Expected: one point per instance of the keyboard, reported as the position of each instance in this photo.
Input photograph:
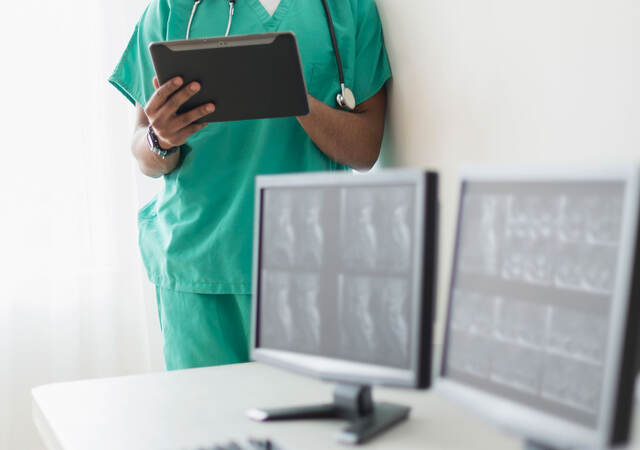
(252, 444)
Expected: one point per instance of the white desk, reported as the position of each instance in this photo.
(185, 410)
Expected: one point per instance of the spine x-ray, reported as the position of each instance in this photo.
(336, 277)
(535, 271)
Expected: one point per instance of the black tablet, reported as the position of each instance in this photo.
(254, 76)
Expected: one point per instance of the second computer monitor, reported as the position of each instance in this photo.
(543, 314)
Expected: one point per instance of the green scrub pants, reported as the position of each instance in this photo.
(201, 330)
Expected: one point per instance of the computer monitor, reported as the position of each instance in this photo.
(544, 302)
(343, 287)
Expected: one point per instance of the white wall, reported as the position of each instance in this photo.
(510, 82)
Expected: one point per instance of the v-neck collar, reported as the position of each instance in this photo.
(271, 23)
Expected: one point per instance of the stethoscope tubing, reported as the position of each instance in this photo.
(193, 14)
(196, 3)
(334, 42)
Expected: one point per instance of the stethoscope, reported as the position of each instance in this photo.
(345, 97)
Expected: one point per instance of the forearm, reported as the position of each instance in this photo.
(350, 138)
(150, 164)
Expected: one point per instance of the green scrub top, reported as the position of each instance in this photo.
(196, 234)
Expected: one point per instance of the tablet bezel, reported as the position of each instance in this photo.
(236, 41)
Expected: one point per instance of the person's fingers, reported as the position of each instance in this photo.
(173, 130)
(186, 119)
(161, 95)
(177, 138)
(156, 83)
(184, 134)
(171, 106)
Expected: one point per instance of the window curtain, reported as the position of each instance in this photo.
(72, 291)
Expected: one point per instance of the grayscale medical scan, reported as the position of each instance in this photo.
(532, 292)
(336, 272)
(542, 333)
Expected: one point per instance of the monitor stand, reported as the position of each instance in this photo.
(532, 445)
(353, 403)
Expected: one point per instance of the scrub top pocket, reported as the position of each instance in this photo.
(324, 83)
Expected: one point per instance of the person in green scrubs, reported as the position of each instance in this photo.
(195, 236)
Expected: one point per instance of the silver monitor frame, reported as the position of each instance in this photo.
(526, 421)
(337, 370)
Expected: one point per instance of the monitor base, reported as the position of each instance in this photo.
(532, 445)
(353, 403)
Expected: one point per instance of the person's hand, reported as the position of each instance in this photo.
(171, 128)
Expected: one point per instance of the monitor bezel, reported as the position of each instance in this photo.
(529, 422)
(423, 298)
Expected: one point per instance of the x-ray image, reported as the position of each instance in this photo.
(469, 354)
(536, 329)
(574, 213)
(569, 273)
(604, 220)
(592, 219)
(376, 228)
(278, 322)
(586, 267)
(311, 234)
(360, 234)
(514, 257)
(393, 315)
(539, 263)
(280, 232)
(587, 249)
(373, 316)
(529, 260)
(529, 239)
(517, 367)
(306, 312)
(473, 313)
(600, 268)
(578, 334)
(482, 225)
(293, 232)
(397, 252)
(336, 272)
(571, 382)
(355, 315)
(522, 323)
(532, 216)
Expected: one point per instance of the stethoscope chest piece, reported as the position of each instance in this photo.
(346, 99)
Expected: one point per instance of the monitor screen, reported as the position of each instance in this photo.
(339, 268)
(532, 291)
(336, 272)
